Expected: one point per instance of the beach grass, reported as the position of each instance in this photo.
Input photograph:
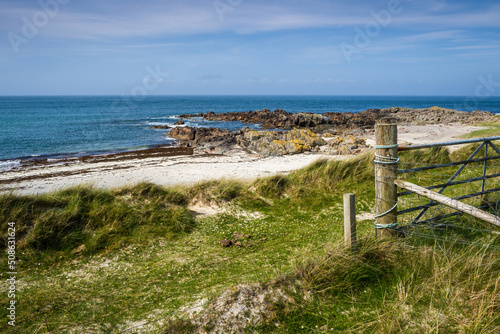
(492, 130)
(149, 265)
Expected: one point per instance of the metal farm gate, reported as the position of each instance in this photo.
(440, 188)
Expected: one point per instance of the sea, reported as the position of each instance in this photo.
(57, 127)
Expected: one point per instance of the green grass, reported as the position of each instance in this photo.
(150, 266)
(493, 129)
(56, 224)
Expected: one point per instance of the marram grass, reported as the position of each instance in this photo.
(99, 219)
(150, 266)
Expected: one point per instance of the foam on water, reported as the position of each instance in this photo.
(7, 165)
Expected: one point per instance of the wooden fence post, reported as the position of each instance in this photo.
(349, 220)
(386, 159)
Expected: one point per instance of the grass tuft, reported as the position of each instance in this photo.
(98, 219)
(216, 191)
(340, 270)
(273, 186)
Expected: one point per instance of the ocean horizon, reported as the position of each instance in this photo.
(52, 127)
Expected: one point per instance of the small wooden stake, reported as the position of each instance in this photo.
(386, 195)
(349, 220)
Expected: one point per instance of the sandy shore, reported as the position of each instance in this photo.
(426, 134)
(188, 169)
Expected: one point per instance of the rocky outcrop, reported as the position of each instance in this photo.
(201, 135)
(346, 122)
(211, 140)
(434, 115)
(302, 135)
(186, 133)
(160, 127)
(269, 143)
(278, 119)
(344, 145)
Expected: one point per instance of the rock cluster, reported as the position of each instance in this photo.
(266, 143)
(278, 119)
(269, 143)
(160, 127)
(344, 145)
(211, 140)
(304, 129)
(434, 115)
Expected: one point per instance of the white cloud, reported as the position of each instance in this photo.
(106, 21)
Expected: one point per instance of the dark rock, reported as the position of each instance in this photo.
(278, 119)
(186, 133)
(160, 127)
(226, 243)
(179, 123)
(209, 140)
(191, 115)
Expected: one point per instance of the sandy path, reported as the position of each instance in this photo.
(189, 169)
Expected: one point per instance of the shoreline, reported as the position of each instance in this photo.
(91, 156)
(158, 166)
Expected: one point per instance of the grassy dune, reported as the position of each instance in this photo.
(492, 130)
(149, 265)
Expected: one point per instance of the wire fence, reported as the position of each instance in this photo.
(473, 180)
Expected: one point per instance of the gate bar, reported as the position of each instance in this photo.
(465, 208)
(448, 143)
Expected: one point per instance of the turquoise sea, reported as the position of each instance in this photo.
(36, 127)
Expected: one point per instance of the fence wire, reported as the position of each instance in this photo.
(475, 183)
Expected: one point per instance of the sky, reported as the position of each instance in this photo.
(250, 47)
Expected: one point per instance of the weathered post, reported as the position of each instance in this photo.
(349, 220)
(386, 162)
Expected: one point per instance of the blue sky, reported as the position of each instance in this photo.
(167, 47)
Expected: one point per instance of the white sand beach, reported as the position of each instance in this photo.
(171, 171)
